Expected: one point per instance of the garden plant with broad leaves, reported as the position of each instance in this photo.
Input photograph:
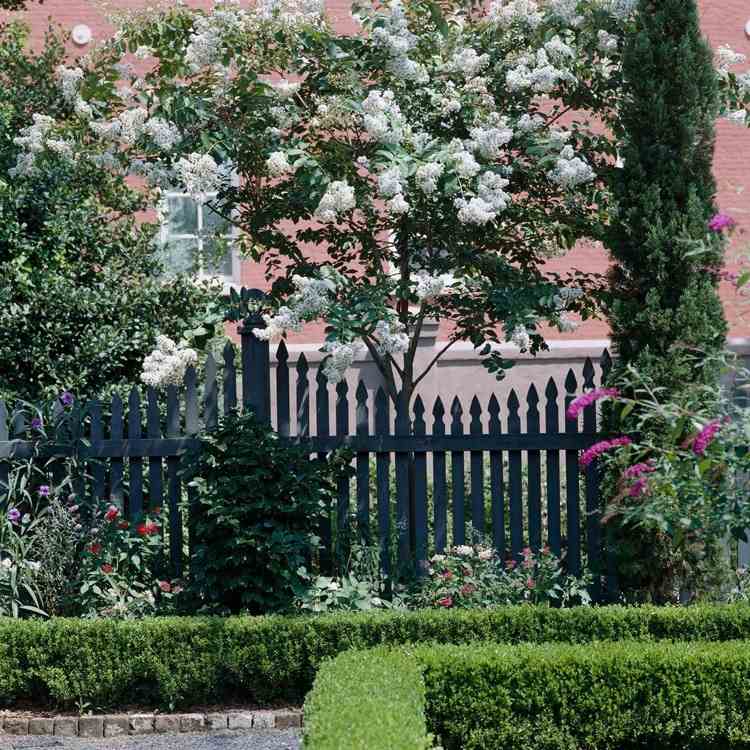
(440, 156)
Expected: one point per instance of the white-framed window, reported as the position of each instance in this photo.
(194, 239)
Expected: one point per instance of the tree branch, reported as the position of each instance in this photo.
(433, 361)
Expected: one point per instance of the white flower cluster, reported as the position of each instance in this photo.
(506, 12)
(727, 58)
(392, 337)
(310, 300)
(200, 174)
(126, 129)
(467, 62)
(390, 182)
(529, 123)
(166, 365)
(464, 163)
(165, 134)
(606, 42)
(33, 140)
(567, 10)
(430, 286)
(490, 200)
(565, 295)
(571, 170)
(291, 14)
(278, 164)
(520, 337)
(566, 324)
(338, 199)
(69, 80)
(340, 358)
(392, 34)
(206, 42)
(537, 73)
(143, 52)
(489, 140)
(382, 117)
(427, 176)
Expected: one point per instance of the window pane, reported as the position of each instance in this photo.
(183, 215)
(214, 224)
(180, 256)
(217, 257)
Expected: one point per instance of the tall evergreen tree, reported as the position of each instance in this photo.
(666, 316)
(666, 309)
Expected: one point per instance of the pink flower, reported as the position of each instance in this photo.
(510, 564)
(446, 601)
(112, 512)
(107, 568)
(530, 583)
(447, 575)
(95, 548)
(720, 222)
(165, 586)
(636, 470)
(638, 487)
(704, 438)
(467, 588)
(596, 450)
(579, 404)
(729, 276)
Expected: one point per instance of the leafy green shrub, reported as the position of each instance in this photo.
(259, 506)
(181, 661)
(609, 696)
(367, 700)
(470, 577)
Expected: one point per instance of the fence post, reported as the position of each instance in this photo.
(256, 362)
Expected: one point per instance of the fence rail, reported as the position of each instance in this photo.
(508, 472)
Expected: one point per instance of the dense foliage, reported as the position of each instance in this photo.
(82, 298)
(254, 524)
(368, 700)
(686, 696)
(186, 661)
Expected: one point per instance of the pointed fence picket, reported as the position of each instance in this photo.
(410, 494)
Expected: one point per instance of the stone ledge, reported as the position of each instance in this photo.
(145, 723)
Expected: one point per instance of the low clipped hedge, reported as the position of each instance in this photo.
(608, 696)
(364, 700)
(173, 662)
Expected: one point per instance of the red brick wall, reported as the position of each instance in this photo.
(724, 22)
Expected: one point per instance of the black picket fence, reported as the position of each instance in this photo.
(420, 484)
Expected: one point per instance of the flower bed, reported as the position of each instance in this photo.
(175, 662)
(554, 696)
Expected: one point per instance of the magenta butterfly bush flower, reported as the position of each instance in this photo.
(14, 515)
(705, 437)
(720, 222)
(596, 450)
(636, 470)
(579, 404)
(66, 398)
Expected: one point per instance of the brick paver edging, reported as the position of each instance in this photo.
(113, 725)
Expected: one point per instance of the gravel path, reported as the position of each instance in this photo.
(271, 739)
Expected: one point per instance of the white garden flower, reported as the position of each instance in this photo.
(489, 140)
(430, 286)
(340, 359)
(571, 170)
(200, 174)
(463, 550)
(132, 123)
(165, 134)
(392, 337)
(144, 52)
(69, 80)
(606, 42)
(567, 324)
(427, 176)
(278, 164)
(506, 12)
(467, 62)
(390, 182)
(167, 363)
(338, 198)
(285, 89)
(465, 164)
(398, 205)
(520, 337)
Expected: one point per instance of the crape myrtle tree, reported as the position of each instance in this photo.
(440, 156)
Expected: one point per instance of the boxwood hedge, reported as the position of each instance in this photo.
(171, 662)
(609, 696)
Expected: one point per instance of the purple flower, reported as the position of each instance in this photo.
(36, 423)
(720, 222)
(704, 438)
(579, 404)
(639, 487)
(43, 490)
(14, 515)
(598, 448)
(66, 398)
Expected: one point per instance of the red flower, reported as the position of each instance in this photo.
(112, 512)
(165, 586)
(123, 525)
(447, 575)
(446, 601)
(107, 568)
(468, 588)
(95, 548)
(148, 528)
